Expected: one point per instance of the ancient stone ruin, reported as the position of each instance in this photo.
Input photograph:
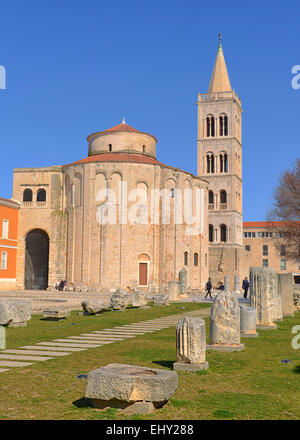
(119, 300)
(133, 389)
(161, 300)
(15, 312)
(286, 289)
(138, 299)
(183, 281)
(190, 345)
(56, 314)
(173, 291)
(2, 338)
(93, 306)
(264, 296)
(248, 321)
(225, 323)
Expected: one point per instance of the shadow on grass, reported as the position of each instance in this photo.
(167, 364)
(296, 369)
(83, 403)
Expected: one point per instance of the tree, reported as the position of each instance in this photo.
(285, 213)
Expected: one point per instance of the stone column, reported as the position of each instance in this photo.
(173, 291)
(248, 322)
(237, 285)
(226, 282)
(225, 323)
(190, 345)
(264, 296)
(286, 289)
(2, 338)
(183, 281)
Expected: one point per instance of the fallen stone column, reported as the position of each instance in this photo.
(15, 312)
(248, 322)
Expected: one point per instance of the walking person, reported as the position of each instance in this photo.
(245, 286)
(208, 288)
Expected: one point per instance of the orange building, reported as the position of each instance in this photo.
(8, 243)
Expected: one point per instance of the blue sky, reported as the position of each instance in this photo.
(76, 67)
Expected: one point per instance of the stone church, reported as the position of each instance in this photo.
(120, 218)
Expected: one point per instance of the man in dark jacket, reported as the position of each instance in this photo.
(208, 288)
(245, 286)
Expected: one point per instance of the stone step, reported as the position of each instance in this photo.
(105, 337)
(66, 345)
(23, 358)
(83, 343)
(14, 364)
(38, 352)
(36, 347)
(108, 334)
(95, 342)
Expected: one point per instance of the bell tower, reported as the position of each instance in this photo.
(220, 162)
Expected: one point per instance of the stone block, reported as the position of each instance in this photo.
(161, 300)
(123, 384)
(173, 291)
(93, 306)
(56, 313)
(248, 321)
(15, 312)
(2, 338)
(138, 299)
(119, 300)
(225, 320)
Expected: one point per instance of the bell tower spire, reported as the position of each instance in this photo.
(219, 81)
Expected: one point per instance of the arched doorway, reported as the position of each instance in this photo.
(36, 260)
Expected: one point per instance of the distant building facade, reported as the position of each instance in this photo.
(9, 211)
(259, 248)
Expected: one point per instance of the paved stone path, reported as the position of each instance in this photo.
(44, 351)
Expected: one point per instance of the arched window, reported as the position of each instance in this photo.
(41, 195)
(211, 233)
(172, 192)
(210, 160)
(144, 148)
(210, 197)
(210, 126)
(109, 147)
(223, 163)
(27, 195)
(186, 258)
(196, 259)
(223, 196)
(223, 233)
(223, 123)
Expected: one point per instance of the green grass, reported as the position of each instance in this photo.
(251, 384)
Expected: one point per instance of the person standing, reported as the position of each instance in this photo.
(208, 288)
(245, 287)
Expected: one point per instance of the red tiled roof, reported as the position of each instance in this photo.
(265, 224)
(119, 128)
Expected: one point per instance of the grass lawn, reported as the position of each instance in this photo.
(252, 384)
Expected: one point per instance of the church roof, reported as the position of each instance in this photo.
(126, 157)
(123, 127)
(219, 81)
